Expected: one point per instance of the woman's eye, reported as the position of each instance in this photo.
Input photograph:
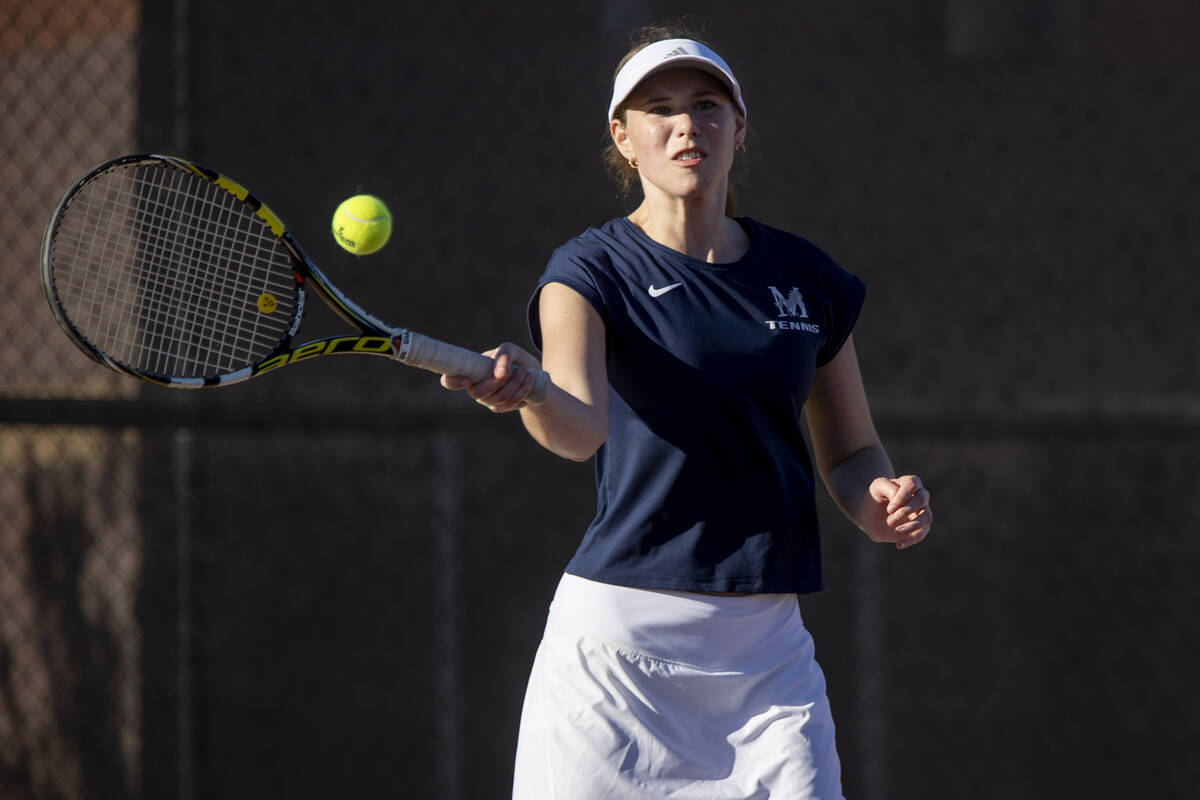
(705, 105)
(661, 110)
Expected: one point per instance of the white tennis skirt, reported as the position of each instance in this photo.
(640, 694)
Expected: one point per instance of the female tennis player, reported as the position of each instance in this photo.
(684, 345)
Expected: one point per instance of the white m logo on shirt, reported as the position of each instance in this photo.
(790, 306)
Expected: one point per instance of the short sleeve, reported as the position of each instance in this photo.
(571, 270)
(845, 294)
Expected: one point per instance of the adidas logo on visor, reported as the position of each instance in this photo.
(678, 51)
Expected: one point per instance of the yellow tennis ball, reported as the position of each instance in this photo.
(362, 224)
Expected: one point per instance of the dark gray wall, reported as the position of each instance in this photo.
(1017, 184)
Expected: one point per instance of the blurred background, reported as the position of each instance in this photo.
(330, 582)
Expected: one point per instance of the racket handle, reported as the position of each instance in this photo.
(419, 350)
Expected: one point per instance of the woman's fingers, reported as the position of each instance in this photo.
(909, 514)
(510, 383)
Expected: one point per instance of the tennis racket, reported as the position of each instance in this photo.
(165, 270)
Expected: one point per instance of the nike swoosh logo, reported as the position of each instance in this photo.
(660, 292)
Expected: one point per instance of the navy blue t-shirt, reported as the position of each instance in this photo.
(705, 482)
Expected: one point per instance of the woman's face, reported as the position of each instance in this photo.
(680, 127)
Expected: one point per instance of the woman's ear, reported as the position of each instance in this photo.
(620, 138)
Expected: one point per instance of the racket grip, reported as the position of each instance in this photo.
(419, 350)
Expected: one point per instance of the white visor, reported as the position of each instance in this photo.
(670, 54)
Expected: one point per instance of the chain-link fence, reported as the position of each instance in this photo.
(330, 582)
(71, 637)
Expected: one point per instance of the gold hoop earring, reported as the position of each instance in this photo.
(740, 147)
(633, 163)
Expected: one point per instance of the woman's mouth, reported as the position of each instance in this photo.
(689, 156)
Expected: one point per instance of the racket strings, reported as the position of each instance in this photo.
(203, 296)
(218, 322)
(168, 273)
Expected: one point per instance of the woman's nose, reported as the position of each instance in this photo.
(686, 126)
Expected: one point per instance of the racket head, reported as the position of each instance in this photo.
(165, 270)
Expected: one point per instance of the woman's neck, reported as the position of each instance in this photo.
(697, 228)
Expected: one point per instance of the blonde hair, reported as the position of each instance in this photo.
(619, 169)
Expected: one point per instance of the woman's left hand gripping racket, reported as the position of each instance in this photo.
(167, 271)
